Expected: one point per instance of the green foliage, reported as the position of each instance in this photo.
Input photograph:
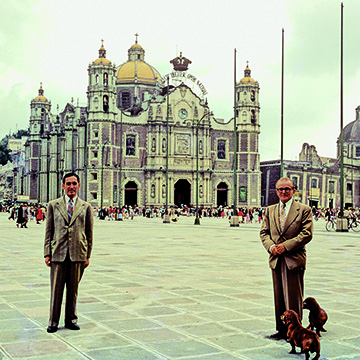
(4, 152)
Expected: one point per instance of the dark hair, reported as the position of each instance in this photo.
(69, 175)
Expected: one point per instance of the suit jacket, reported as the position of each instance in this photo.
(62, 235)
(297, 233)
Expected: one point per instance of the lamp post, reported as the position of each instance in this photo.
(107, 142)
(48, 177)
(60, 176)
(197, 123)
(166, 215)
(38, 174)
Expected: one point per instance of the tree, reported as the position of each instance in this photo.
(4, 154)
(4, 151)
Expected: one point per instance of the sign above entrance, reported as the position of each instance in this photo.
(180, 75)
(177, 78)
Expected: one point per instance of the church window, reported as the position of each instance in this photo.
(295, 180)
(97, 79)
(252, 95)
(314, 183)
(349, 188)
(106, 103)
(331, 186)
(125, 100)
(221, 149)
(242, 193)
(94, 176)
(130, 145)
(95, 153)
(96, 134)
(43, 113)
(94, 195)
(253, 118)
(357, 151)
(105, 81)
(244, 115)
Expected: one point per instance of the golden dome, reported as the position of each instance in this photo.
(41, 96)
(102, 61)
(144, 73)
(136, 46)
(247, 79)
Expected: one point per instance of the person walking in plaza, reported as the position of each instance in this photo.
(20, 216)
(287, 227)
(67, 249)
(39, 214)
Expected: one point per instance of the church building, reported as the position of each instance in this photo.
(145, 139)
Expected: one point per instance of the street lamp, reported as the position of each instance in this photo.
(48, 177)
(107, 142)
(197, 123)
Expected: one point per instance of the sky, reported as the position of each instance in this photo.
(53, 42)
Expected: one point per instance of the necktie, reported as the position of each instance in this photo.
(70, 209)
(282, 217)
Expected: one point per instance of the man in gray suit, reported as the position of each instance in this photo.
(67, 249)
(286, 229)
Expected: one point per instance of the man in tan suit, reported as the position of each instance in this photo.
(286, 229)
(67, 250)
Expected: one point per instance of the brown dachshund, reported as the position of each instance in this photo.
(297, 335)
(317, 315)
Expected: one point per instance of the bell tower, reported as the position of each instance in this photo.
(248, 128)
(101, 88)
(101, 126)
(40, 108)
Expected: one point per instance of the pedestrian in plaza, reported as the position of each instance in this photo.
(39, 214)
(287, 227)
(25, 216)
(67, 250)
(20, 216)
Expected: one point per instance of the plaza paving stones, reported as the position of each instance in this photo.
(173, 291)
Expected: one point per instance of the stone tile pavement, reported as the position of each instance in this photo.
(173, 291)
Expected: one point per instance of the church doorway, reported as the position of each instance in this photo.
(222, 194)
(182, 193)
(131, 193)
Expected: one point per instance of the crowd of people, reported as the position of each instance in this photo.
(22, 213)
(128, 212)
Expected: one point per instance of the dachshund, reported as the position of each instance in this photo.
(297, 335)
(317, 315)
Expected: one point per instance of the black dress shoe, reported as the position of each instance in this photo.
(52, 329)
(278, 336)
(72, 326)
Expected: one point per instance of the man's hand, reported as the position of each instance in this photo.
(48, 261)
(280, 248)
(87, 262)
(277, 249)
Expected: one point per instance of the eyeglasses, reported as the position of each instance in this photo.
(287, 189)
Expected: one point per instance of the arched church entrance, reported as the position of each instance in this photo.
(131, 193)
(222, 194)
(182, 193)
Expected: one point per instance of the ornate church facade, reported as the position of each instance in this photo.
(145, 139)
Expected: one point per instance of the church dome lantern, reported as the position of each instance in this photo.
(41, 97)
(247, 79)
(102, 60)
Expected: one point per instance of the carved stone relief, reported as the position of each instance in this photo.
(182, 144)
